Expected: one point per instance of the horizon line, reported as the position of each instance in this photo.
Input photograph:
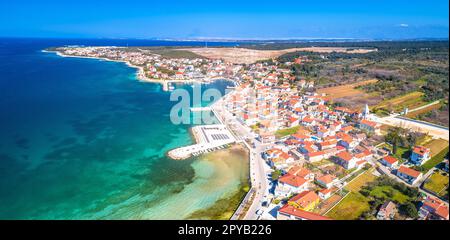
(243, 39)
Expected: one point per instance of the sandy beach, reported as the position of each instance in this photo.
(232, 168)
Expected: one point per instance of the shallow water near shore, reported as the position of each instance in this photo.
(83, 139)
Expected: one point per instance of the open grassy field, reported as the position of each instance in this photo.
(402, 153)
(351, 207)
(322, 162)
(346, 90)
(354, 203)
(436, 145)
(356, 184)
(398, 104)
(388, 192)
(437, 183)
(435, 160)
(287, 131)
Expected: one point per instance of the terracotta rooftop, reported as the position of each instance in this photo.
(291, 210)
(390, 159)
(408, 171)
(368, 123)
(304, 199)
(421, 150)
(292, 180)
(346, 156)
(326, 178)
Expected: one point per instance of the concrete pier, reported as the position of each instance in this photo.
(199, 109)
(208, 137)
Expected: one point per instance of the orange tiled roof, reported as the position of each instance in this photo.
(299, 171)
(315, 154)
(299, 136)
(408, 171)
(327, 178)
(291, 210)
(307, 119)
(292, 180)
(328, 143)
(347, 128)
(304, 199)
(344, 137)
(390, 159)
(368, 123)
(438, 206)
(346, 156)
(421, 150)
(326, 190)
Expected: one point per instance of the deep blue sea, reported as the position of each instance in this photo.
(84, 139)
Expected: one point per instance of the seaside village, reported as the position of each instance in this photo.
(321, 148)
(155, 67)
(313, 147)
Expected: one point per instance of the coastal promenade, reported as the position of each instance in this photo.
(258, 174)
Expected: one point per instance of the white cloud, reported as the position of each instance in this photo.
(404, 25)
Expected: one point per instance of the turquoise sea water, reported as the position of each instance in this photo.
(83, 139)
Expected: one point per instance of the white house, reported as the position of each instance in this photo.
(288, 184)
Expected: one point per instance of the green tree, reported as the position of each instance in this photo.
(411, 139)
(276, 174)
(395, 137)
(409, 209)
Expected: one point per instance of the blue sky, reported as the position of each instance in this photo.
(225, 19)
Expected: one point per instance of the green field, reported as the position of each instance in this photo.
(436, 145)
(437, 183)
(287, 131)
(351, 207)
(435, 160)
(388, 192)
(361, 180)
(354, 204)
(321, 162)
(402, 153)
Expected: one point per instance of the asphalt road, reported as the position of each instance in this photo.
(258, 174)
